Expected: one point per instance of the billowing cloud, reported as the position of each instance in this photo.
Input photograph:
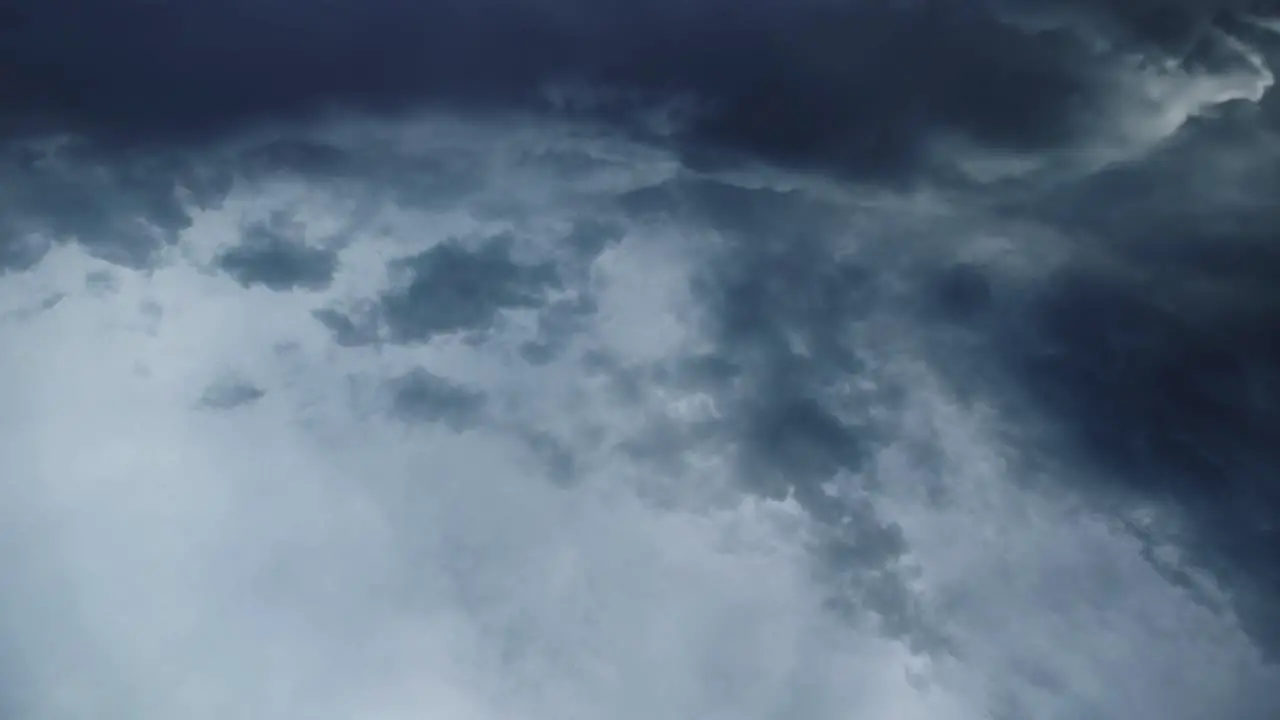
(560, 360)
(271, 255)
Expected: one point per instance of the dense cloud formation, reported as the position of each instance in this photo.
(860, 86)
(640, 358)
(271, 257)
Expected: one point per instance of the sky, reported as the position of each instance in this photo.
(569, 359)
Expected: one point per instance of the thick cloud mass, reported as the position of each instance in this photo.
(534, 359)
(270, 255)
(862, 86)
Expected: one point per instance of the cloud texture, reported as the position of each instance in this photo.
(652, 359)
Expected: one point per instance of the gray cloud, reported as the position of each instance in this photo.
(228, 393)
(121, 208)
(815, 82)
(101, 281)
(275, 255)
(866, 507)
(450, 289)
(421, 396)
(1044, 309)
(348, 332)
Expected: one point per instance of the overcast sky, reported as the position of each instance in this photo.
(679, 359)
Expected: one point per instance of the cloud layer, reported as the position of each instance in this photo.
(865, 87)
(558, 360)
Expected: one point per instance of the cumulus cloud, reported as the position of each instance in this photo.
(271, 255)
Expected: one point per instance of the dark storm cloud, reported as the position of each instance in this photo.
(452, 288)
(20, 252)
(1152, 353)
(1151, 357)
(123, 209)
(859, 85)
(275, 255)
(782, 304)
(786, 299)
(124, 205)
(439, 178)
(788, 307)
(1157, 354)
(307, 158)
(448, 289)
(1171, 407)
